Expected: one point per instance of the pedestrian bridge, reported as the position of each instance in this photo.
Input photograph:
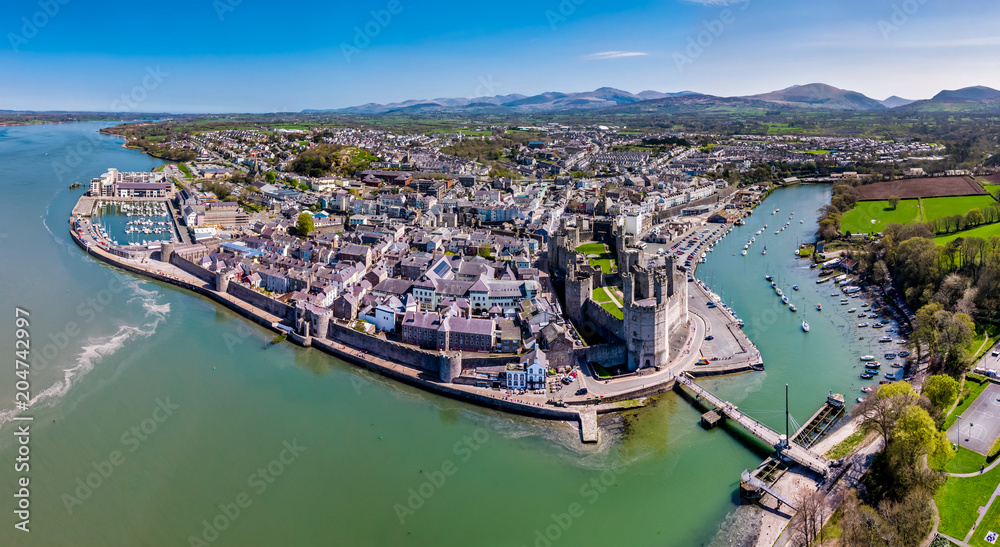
(793, 451)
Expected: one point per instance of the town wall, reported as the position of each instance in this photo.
(261, 301)
(192, 268)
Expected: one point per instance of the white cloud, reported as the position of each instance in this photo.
(613, 55)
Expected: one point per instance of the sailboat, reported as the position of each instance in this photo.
(805, 326)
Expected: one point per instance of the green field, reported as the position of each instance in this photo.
(990, 523)
(946, 207)
(859, 219)
(983, 231)
(959, 500)
(965, 461)
(603, 258)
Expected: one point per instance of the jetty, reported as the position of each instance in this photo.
(788, 450)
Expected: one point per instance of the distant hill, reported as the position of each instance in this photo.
(815, 96)
(895, 101)
(977, 93)
(693, 102)
(820, 96)
(550, 101)
(968, 99)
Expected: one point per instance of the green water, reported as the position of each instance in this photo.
(367, 441)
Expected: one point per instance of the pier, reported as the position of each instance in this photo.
(791, 451)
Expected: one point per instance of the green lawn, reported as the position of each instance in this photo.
(859, 219)
(847, 445)
(613, 309)
(959, 500)
(603, 258)
(592, 248)
(601, 295)
(965, 461)
(982, 231)
(946, 207)
(990, 523)
(971, 392)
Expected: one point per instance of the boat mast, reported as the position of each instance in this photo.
(788, 438)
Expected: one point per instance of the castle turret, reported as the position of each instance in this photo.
(222, 281)
(166, 251)
(450, 367)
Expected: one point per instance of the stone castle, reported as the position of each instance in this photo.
(655, 300)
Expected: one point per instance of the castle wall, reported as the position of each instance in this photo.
(607, 324)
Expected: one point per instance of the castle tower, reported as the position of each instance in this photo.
(222, 281)
(579, 289)
(646, 326)
(628, 289)
(166, 251)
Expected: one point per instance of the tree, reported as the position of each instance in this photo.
(915, 435)
(808, 518)
(270, 177)
(942, 390)
(486, 250)
(880, 412)
(305, 224)
(894, 201)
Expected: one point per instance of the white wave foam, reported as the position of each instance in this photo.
(92, 353)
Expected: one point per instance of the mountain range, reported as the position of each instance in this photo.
(816, 96)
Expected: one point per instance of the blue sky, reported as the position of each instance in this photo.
(265, 56)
